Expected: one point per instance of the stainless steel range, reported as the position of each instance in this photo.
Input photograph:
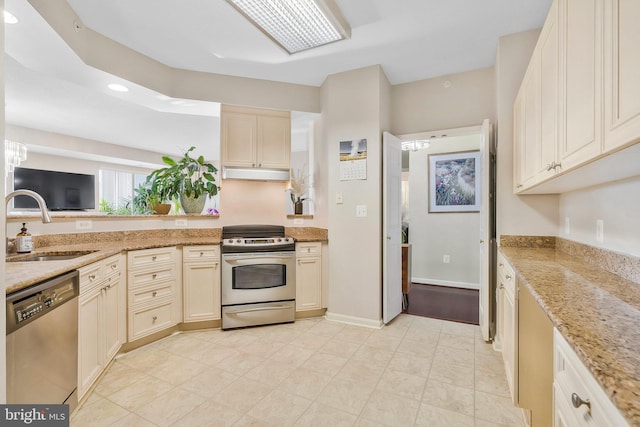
(258, 276)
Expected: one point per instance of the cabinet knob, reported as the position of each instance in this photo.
(201, 253)
(501, 265)
(154, 318)
(92, 277)
(519, 186)
(557, 165)
(154, 275)
(153, 258)
(508, 277)
(154, 293)
(578, 402)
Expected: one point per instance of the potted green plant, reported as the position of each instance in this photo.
(189, 180)
(150, 200)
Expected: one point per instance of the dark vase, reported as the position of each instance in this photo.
(297, 207)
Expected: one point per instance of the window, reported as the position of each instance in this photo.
(116, 187)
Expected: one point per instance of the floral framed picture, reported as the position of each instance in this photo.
(454, 182)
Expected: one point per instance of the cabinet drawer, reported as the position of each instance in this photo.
(150, 257)
(308, 249)
(148, 319)
(197, 253)
(506, 275)
(144, 278)
(572, 377)
(112, 264)
(154, 292)
(90, 276)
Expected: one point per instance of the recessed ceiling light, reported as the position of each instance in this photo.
(296, 25)
(118, 87)
(9, 18)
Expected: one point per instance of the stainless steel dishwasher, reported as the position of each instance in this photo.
(42, 343)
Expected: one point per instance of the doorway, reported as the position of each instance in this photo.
(447, 261)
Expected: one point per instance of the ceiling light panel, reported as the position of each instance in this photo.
(295, 25)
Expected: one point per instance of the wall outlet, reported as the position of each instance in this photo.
(446, 259)
(599, 230)
(84, 225)
(361, 210)
(339, 199)
(298, 221)
(567, 226)
(181, 222)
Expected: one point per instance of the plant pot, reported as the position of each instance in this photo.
(192, 205)
(162, 208)
(297, 208)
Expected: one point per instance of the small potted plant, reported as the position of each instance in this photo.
(150, 200)
(299, 186)
(189, 180)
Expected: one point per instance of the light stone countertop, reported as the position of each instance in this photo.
(20, 275)
(596, 311)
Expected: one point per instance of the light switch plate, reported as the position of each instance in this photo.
(599, 230)
(339, 199)
(181, 222)
(361, 210)
(298, 221)
(84, 225)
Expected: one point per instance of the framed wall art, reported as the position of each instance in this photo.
(454, 182)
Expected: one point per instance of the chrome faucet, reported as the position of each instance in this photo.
(41, 203)
(38, 198)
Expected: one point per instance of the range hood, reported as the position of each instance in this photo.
(255, 174)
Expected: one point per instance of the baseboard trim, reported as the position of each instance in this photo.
(352, 320)
(446, 283)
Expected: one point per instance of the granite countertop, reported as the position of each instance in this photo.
(20, 275)
(596, 311)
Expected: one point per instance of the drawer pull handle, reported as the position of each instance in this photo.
(154, 275)
(508, 277)
(501, 265)
(153, 258)
(155, 318)
(114, 266)
(92, 277)
(154, 293)
(578, 402)
(201, 253)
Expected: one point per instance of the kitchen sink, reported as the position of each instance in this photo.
(54, 256)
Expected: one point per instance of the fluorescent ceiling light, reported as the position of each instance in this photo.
(118, 87)
(296, 25)
(9, 18)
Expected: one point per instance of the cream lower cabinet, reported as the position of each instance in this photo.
(101, 318)
(201, 283)
(308, 276)
(573, 384)
(154, 291)
(508, 323)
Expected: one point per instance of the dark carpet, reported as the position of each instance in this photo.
(441, 302)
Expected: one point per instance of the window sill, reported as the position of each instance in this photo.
(304, 216)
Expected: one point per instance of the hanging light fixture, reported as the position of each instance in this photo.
(296, 25)
(14, 154)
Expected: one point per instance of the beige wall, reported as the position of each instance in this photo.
(352, 110)
(616, 204)
(523, 215)
(447, 102)
(3, 317)
(434, 234)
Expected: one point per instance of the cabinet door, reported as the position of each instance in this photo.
(308, 283)
(531, 128)
(622, 68)
(274, 142)
(509, 340)
(90, 339)
(549, 98)
(238, 138)
(582, 79)
(201, 291)
(518, 143)
(114, 315)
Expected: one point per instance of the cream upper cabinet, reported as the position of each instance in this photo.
(255, 138)
(581, 71)
(536, 111)
(621, 73)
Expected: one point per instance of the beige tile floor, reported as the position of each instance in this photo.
(414, 372)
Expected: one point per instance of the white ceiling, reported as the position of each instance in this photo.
(49, 88)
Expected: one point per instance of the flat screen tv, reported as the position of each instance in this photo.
(61, 191)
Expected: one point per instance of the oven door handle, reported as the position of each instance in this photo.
(256, 259)
(250, 310)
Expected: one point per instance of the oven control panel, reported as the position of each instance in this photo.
(271, 241)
